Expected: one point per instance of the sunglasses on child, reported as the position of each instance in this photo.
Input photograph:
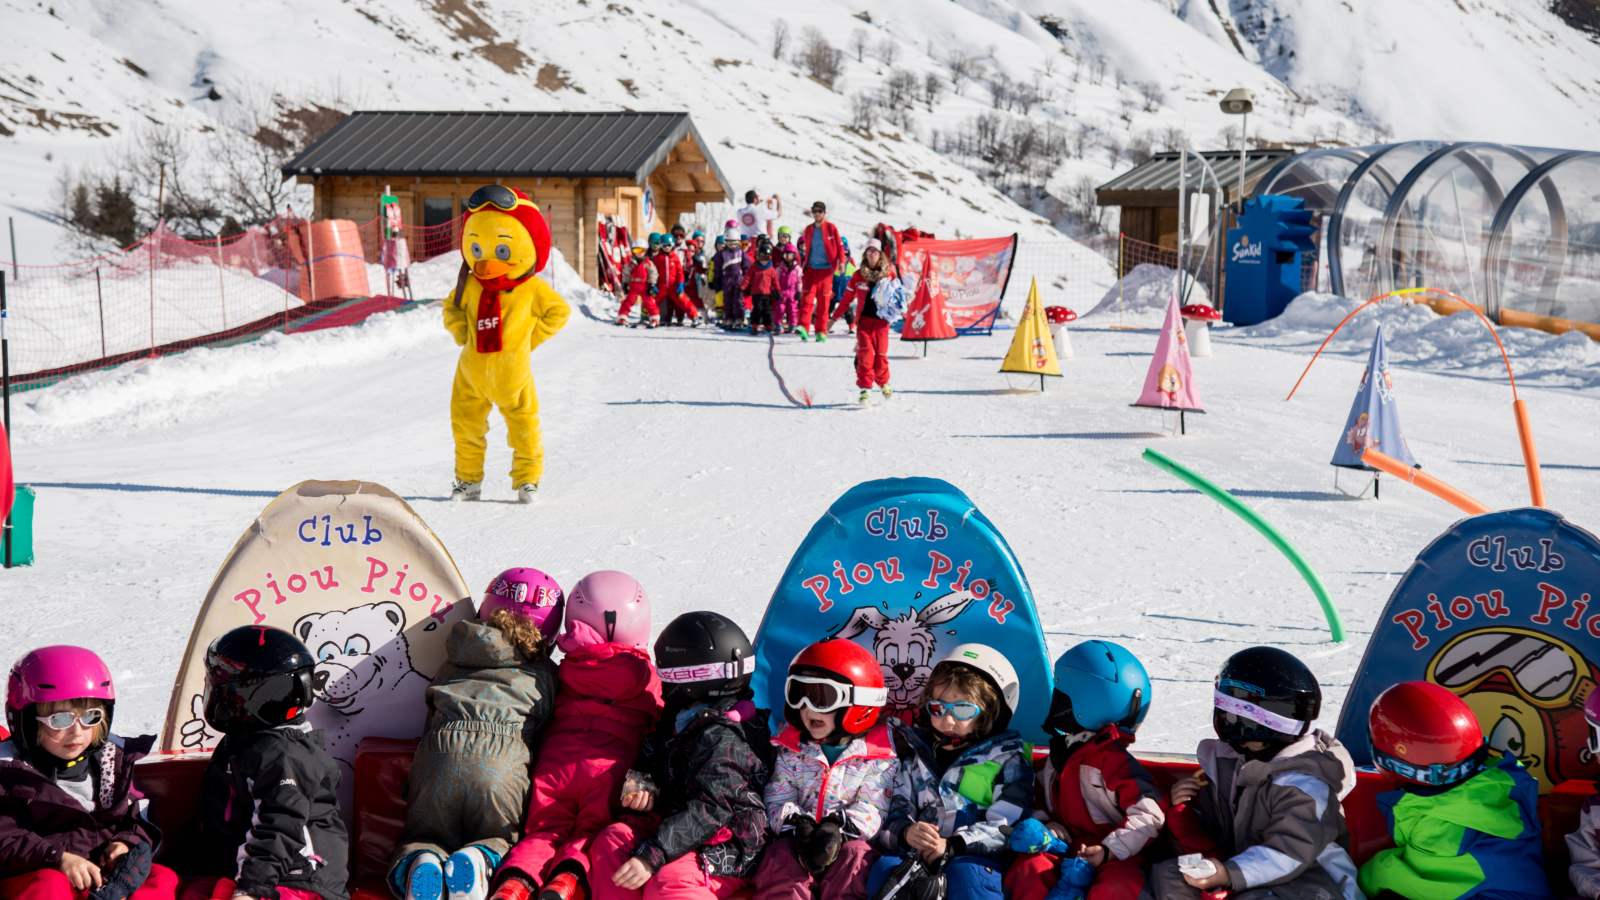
(60, 721)
(825, 695)
(961, 712)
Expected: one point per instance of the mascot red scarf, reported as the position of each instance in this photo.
(486, 327)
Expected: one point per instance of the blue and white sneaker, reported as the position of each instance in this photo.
(425, 879)
(467, 872)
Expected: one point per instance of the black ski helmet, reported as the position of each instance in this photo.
(1264, 683)
(703, 656)
(257, 677)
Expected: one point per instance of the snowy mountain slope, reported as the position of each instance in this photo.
(673, 455)
(1112, 78)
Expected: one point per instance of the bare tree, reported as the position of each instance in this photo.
(1125, 106)
(859, 41)
(1025, 95)
(1000, 91)
(1139, 148)
(1153, 96)
(1081, 139)
(960, 66)
(820, 59)
(901, 89)
(1173, 139)
(863, 111)
(888, 50)
(1113, 148)
(883, 185)
(780, 37)
(931, 87)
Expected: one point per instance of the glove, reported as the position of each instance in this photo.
(678, 286)
(126, 875)
(821, 847)
(802, 826)
(1076, 877)
(654, 289)
(1031, 836)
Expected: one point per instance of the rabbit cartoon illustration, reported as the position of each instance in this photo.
(905, 645)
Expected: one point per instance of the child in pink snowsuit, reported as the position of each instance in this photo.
(786, 311)
(610, 698)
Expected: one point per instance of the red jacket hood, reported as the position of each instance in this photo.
(609, 671)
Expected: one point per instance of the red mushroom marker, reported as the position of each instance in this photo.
(1059, 316)
(1197, 327)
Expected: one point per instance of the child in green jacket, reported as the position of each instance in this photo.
(1463, 828)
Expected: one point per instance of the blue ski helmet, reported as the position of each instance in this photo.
(655, 238)
(1098, 683)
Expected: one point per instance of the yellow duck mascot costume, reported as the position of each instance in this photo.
(499, 313)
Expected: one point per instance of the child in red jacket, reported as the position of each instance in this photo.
(761, 286)
(1096, 796)
(669, 277)
(610, 699)
(642, 279)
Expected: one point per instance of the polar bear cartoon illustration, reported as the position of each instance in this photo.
(364, 681)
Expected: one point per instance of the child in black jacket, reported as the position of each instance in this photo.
(269, 808)
(702, 771)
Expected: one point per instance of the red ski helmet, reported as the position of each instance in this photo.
(1422, 734)
(835, 674)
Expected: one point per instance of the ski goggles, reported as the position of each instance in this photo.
(961, 712)
(1594, 736)
(495, 195)
(826, 695)
(709, 671)
(1438, 774)
(1247, 710)
(1544, 671)
(60, 721)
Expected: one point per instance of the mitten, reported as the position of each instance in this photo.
(126, 875)
(821, 848)
(654, 289)
(1031, 836)
(802, 826)
(1076, 877)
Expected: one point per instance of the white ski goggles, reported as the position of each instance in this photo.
(826, 695)
(1244, 708)
(61, 721)
(708, 672)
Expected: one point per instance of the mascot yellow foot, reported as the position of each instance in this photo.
(500, 311)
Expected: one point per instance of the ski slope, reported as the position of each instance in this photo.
(673, 455)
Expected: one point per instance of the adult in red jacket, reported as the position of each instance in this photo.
(821, 254)
(1111, 808)
(610, 699)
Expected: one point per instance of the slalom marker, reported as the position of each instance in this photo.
(1233, 505)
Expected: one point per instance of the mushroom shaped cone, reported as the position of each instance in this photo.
(1058, 317)
(1197, 319)
(500, 312)
(1423, 734)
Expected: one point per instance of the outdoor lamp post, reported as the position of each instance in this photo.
(1240, 102)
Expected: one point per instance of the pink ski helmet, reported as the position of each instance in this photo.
(529, 593)
(615, 606)
(48, 674)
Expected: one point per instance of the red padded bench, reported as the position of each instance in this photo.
(382, 764)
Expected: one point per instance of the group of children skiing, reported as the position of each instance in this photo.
(763, 286)
(626, 771)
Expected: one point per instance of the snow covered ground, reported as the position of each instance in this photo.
(673, 455)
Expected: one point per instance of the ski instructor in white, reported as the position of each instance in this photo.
(498, 313)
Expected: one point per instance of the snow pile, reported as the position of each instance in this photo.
(1420, 338)
(1141, 296)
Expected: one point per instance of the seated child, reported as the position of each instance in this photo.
(487, 705)
(701, 771)
(964, 775)
(1092, 793)
(609, 699)
(1266, 810)
(70, 818)
(1462, 828)
(269, 800)
(830, 789)
(1584, 873)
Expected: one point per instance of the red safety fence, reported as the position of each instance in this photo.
(166, 294)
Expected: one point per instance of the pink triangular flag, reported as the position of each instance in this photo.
(1170, 382)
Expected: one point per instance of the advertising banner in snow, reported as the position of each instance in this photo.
(908, 568)
(353, 572)
(927, 318)
(972, 275)
(1374, 419)
(1499, 609)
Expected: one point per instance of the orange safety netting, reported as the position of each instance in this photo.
(165, 294)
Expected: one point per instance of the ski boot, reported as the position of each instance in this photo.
(698, 321)
(887, 392)
(465, 490)
(528, 492)
(466, 874)
(564, 886)
(621, 320)
(513, 888)
(864, 395)
(804, 334)
(425, 878)
(655, 322)
(822, 336)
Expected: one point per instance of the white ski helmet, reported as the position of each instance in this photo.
(994, 666)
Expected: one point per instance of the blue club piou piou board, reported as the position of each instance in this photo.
(907, 568)
(1501, 610)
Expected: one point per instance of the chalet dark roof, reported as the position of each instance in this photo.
(1160, 172)
(500, 145)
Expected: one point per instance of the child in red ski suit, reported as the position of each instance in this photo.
(669, 280)
(786, 311)
(761, 286)
(610, 698)
(641, 277)
(872, 330)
